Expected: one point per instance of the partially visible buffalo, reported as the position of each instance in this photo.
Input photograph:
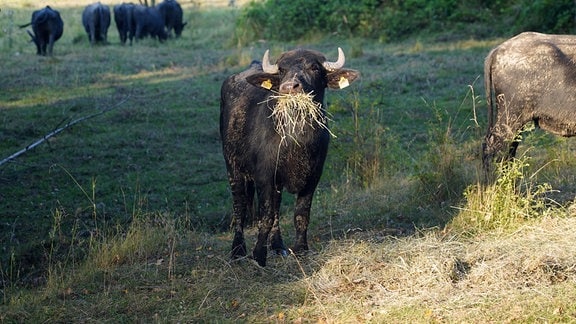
(124, 18)
(149, 22)
(172, 14)
(96, 21)
(532, 77)
(265, 153)
(48, 27)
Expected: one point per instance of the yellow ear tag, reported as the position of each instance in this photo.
(343, 83)
(266, 84)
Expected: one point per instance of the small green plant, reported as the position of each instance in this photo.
(507, 203)
(9, 275)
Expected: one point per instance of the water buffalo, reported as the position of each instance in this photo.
(274, 135)
(172, 14)
(149, 22)
(124, 19)
(47, 27)
(531, 77)
(96, 21)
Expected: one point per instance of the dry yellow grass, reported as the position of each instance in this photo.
(494, 277)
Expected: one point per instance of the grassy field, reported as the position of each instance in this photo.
(124, 216)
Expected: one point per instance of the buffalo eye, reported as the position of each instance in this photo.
(314, 68)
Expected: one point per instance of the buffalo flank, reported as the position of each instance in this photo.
(149, 22)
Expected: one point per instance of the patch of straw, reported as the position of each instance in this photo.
(294, 112)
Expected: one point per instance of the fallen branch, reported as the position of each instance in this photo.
(59, 130)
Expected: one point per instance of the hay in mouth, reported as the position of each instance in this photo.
(293, 112)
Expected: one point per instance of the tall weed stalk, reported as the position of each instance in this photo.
(444, 172)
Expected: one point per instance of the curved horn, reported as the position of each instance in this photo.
(332, 66)
(266, 66)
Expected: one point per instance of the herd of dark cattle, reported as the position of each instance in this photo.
(133, 21)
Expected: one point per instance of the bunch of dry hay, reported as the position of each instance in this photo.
(292, 113)
(459, 280)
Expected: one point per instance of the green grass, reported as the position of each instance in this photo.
(124, 216)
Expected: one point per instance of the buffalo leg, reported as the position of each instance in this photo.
(512, 150)
(493, 143)
(276, 242)
(93, 34)
(268, 212)
(42, 46)
(138, 33)
(122, 37)
(502, 136)
(242, 194)
(301, 221)
(51, 41)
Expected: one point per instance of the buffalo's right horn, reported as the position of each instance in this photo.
(333, 66)
(266, 66)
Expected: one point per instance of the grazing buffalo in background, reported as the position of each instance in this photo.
(265, 153)
(149, 22)
(532, 77)
(124, 19)
(172, 14)
(96, 21)
(47, 27)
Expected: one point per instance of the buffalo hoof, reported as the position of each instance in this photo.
(260, 257)
(300, 248)
(279, 248)
(238, 248)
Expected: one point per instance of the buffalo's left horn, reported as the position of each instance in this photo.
(266, 66)
(332, 66)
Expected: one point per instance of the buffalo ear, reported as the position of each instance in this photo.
(264, 80)
(342, 78)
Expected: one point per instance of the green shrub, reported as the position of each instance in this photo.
(276, 19)
(506, 204)
(548, 16)
(282, 20)
(396, 19)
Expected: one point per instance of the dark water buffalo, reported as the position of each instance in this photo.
(149, 22)
(172, 14)
(96, 21)
(532, 78)
(47, 27)
(124, 19)
(265, 155)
